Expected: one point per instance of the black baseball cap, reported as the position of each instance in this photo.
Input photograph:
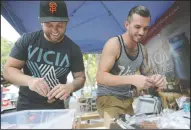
(53, 11)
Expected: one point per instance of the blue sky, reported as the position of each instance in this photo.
(7, 31)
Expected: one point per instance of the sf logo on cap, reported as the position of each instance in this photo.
(52, 7)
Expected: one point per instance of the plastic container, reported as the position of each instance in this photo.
(38, 119)
(148, 104)
(186, 107)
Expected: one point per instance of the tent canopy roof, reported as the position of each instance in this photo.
(91, 23)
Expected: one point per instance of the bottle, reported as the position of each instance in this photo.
(186, 107)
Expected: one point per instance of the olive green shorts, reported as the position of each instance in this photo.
(114, 106)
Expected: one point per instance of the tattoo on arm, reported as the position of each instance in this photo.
(79, 80)
(144, 69)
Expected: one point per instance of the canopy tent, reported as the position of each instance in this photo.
(91, 23)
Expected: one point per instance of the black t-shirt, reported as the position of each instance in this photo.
(53, 61)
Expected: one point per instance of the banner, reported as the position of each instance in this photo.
(178, 9)
(169, 49)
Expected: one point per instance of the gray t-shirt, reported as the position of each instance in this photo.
(53, 61)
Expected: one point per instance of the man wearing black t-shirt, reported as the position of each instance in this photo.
(46, 57)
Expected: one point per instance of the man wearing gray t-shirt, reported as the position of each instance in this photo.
(121, 60)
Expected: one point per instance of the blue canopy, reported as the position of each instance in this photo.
(91, 23)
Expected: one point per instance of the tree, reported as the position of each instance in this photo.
(91, 65)
(5, 50)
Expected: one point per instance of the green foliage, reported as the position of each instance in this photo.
(86, 94)
(90, 68)
(5, 50)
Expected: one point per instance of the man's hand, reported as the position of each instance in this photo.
(61, 91)
(143, 82)
(159, 81)
(51, 100)
(39, 85)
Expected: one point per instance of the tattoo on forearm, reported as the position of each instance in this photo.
(78, 83)
(145, 70)
(79, 80)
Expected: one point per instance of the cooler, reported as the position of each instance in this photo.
(38, 119)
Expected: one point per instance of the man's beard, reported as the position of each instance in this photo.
(136, 38)
(53, 38)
